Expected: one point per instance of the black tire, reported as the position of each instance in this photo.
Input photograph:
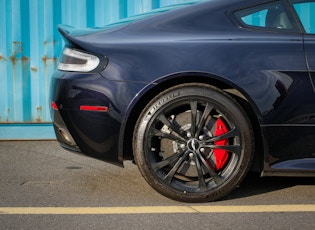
(179, 159)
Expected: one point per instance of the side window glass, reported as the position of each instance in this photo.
(306, 12)
(269, 16)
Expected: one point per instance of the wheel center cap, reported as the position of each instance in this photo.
(193, 144)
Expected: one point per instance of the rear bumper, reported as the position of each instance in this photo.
(93, 133)
(63, 134)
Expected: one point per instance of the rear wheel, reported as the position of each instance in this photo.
(193, 143)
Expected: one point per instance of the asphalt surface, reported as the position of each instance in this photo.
(43, 186)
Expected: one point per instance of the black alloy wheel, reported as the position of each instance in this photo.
(193, 143)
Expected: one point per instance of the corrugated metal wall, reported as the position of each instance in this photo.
(30, 46)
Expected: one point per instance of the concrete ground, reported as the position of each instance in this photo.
(40, 174)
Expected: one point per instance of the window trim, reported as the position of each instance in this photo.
(296, 27)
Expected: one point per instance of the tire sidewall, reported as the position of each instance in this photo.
(220, 100)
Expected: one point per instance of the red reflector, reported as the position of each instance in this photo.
(94, 108)
(54, 106)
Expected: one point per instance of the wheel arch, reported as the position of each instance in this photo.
(133, 112)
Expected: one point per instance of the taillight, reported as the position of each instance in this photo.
(77, 61)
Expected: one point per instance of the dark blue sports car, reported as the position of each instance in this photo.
(196, 96)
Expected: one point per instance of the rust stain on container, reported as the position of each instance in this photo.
(13, 59)
(49, 42)
(34, 69)
(45, 59)
(17, 46)
(2, 58)
(39, 110)
(17, 43)
(25, 58)
(17, 50)
(7, 119)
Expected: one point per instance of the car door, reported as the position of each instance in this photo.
(292, 146)
(289, 126)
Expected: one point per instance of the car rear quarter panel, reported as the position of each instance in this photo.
(270, 72)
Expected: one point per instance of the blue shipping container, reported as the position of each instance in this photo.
(30, 46)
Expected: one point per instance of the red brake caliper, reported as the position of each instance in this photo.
(221, 155)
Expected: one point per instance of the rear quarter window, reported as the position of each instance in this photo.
(272, 16)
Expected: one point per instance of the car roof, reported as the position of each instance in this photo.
(192, 20)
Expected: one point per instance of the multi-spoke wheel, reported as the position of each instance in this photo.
(193, 143)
